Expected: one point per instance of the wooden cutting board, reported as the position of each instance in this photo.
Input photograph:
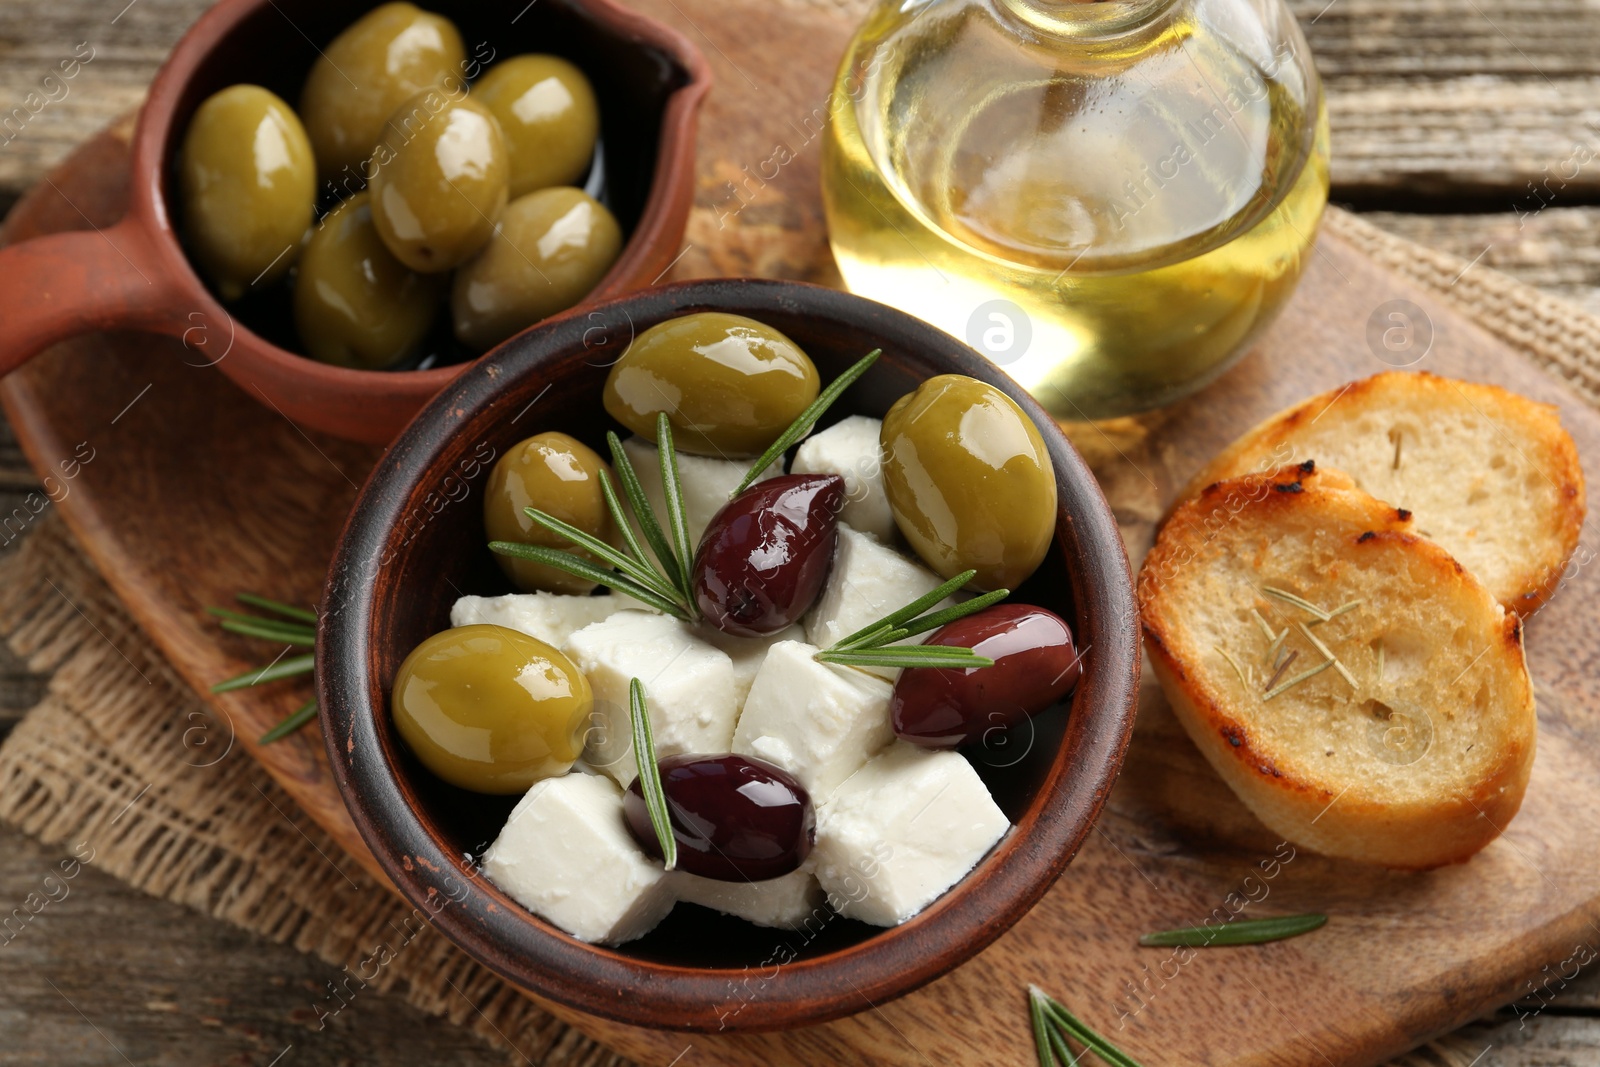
(194, 491)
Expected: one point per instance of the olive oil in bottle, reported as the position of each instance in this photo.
(1108, 199)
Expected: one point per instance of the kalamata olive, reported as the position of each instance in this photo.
(736, 819)
(392, 52)
(765, 556)
(560, 476)
(729, 384)
(248, 185)
(491, 709)
(441, 181)
(969, 481)
(1035, 665)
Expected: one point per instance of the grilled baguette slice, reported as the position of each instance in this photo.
(1490, 475)
(1420, 757)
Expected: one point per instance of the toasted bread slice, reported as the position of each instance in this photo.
(1490, 475)
(1414, 750)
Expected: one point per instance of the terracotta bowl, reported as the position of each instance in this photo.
(415, 542)
(134, 275)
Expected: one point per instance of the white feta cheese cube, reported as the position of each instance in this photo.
(785, 902)
(903, 829)
(549, 617)
(818, 722)
(688, 686)
(849, 448)
(747, 653)
(867, 582)
(707, 484)
(566, 855)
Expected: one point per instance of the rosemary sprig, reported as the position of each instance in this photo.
(1299, 602)
(305, 714)
(808, 418)
(662, 583)
(1244, 932)
(1053, 1023)
(296, 626)
(1328, 652)
(867, 647)
(1311, 672)
(644, 754)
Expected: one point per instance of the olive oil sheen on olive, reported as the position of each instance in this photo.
(1110, 200)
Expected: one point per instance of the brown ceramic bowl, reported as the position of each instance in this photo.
(415, 541)
(135, 275)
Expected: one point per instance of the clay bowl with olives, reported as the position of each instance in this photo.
(252, 132)
(554, 885)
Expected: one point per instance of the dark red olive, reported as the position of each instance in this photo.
(766, 554)
(1035, 665)
(736, 819)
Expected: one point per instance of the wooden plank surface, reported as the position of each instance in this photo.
(1396, 75)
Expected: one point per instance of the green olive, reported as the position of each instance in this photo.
(248, 185)
(491, 709)
(548, 114)
(389, 54)
(355, 305)
(555, 474)
(969, 481)
(729, 385)
(441, 181)
(551, 248)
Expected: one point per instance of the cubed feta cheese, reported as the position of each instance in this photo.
(901, 831)
(747, 654)
(549, 617)
(867, 582)
(707, 484)
(688, 685)
(849, 448)
(566, 855)
(816, 721)
(785, 902)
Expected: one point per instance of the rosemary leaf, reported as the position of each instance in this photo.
(1278, 673)
(1277, 644)
(276, 625)
(1265, 628)
(284, 668)
(1297, 679)
(905, 656)
(644, 512)
(1244, 932)
(1041, 1031)
(808, 418)
(1326, 651)
(270, 633)
(936, 619)
(644, 754)
(305, 714)
(1299, 602)
(645, 576)
(1058, 1045)
(672, 489)
(619, 518)
(907, 613)
(1234, 664)
(277, 607)
(582, 568)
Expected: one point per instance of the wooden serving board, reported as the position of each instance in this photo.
(194, 491)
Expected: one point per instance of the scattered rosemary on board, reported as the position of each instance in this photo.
(286, 624)
(1243, 932)
(644, 754)
(867, 646)
(1053, 1024)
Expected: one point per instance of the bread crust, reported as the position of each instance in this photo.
(1350, 812)
(1531, 430)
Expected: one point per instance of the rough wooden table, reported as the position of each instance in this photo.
(1474, 129)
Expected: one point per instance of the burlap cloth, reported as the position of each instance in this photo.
(103, 757)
